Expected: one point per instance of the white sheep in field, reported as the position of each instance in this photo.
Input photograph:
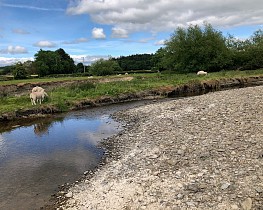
(37, 97)
(38, 89)
(201, 73)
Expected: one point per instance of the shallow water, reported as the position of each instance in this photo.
(37, 157)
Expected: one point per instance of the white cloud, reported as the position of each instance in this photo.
(98, 33)
(20, 31)
(76, 41)
(31, 7)
(88, 59)
(146, 40)
(160, 42)
(13, 50)
(4, 61)
(160, 15)
(119, 33)
(45, 44)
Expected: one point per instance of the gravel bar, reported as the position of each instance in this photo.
(203, 152)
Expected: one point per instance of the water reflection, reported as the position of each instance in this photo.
(35, 158)
(41, 128)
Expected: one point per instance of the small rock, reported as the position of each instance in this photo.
(180, 152)
(211, 106)
(190, 204)
(260, 155)
(172, 162)
(259, 190)
(247, 204)
(69, 195)
(180, 196)
(225, 186)
(193, 188)
(61, 192)
(221, 150)
(234, 207)
(154, 156)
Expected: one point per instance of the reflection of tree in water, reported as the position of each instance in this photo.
(41, 128)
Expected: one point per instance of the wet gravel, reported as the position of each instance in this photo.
(201, 152)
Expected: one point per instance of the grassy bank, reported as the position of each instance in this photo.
(64, 97)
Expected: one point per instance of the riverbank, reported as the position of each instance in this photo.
(193, 87)
(201, 152)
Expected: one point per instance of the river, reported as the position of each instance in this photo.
(38, 156)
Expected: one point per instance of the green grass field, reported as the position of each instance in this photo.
(63, 97)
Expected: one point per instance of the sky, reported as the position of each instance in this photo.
(92, 29)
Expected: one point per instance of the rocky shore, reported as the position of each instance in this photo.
(203, 152)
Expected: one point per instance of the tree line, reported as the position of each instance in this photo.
(187, 50)
(205, 48)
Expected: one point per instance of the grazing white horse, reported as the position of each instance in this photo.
(37, 97)
(201, 73)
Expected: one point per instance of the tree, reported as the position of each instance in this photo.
(135, 62)
(104, 67)
(67, 62)
(30, 67)
(46, 62)
(19, 71)
(194, 48)
(80, 68)
(160, 60)
(6, 70)
(255, 51)
(257, 37)
(54, 62)
(246, 54)
(42, 68)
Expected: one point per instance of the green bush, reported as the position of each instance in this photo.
(19, 71)
(104, 67)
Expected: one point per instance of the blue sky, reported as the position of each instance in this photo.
(100, 28)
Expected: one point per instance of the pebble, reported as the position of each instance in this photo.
(234, 207)
(259, 189)
(225, 186)
(69, 195)
(247, 204)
